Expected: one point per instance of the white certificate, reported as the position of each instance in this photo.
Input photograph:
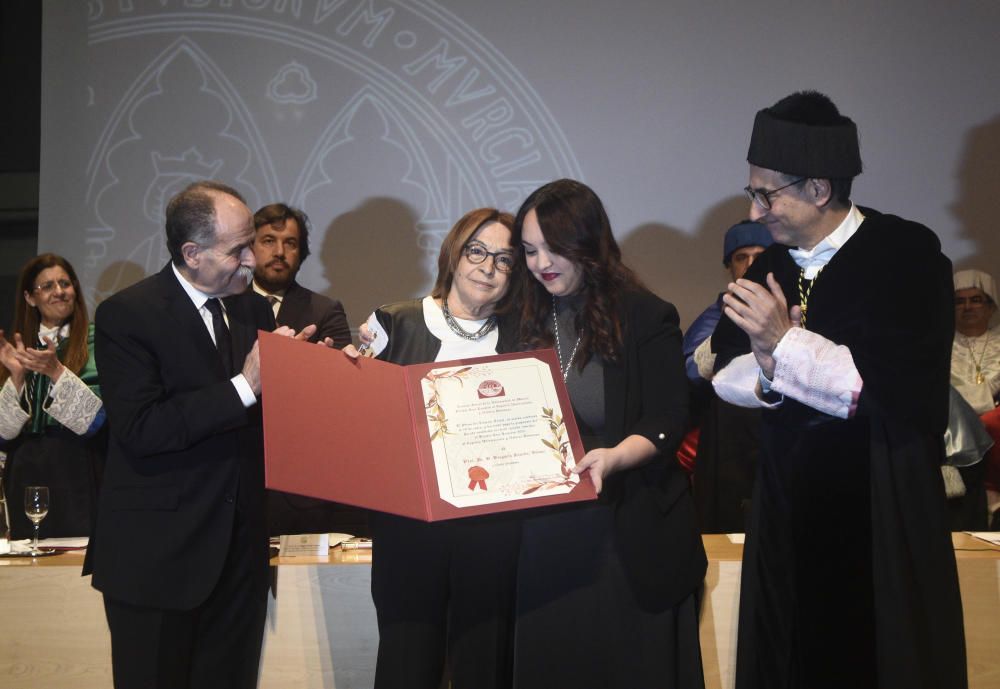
(497, 432)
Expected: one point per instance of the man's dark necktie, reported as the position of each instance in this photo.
(222, 340)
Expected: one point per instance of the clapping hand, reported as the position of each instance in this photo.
(762, 313)
(43, 360)
(251, 365)
(8, 359)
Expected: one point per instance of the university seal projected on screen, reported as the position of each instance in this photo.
(497, 432)
(384, 120)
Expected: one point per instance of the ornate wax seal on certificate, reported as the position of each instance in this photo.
(497, 432)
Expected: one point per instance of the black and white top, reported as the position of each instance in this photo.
(388, 319)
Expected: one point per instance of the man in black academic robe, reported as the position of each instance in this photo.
(842, 332)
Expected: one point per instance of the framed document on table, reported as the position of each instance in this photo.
(430, 441)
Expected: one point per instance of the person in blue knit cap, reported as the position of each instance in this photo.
(721, 449)
(744, 242)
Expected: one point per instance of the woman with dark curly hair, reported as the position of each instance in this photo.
(607, 592)
(50, 409)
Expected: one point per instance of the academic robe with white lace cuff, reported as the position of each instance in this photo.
(849, 576)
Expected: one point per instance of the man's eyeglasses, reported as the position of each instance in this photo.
(762, 197)
(47, 287)
(977, 300)
(477, 253)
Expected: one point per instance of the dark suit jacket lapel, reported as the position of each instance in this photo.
(189, 323)
(241, 328)
(293, 305)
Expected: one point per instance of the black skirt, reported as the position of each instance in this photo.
(578, 624)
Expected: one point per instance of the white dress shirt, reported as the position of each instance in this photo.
(198, 298)
(275, 299)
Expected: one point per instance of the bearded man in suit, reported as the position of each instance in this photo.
(281, 244)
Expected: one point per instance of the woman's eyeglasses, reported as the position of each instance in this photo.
(47, 287)
(477, 253)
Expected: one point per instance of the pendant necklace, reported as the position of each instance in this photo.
(980, 376)
(804, 293)
(483, 331)
(555, 322)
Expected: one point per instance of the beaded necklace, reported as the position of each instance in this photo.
(483, 331)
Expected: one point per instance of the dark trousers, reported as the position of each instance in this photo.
(726, 466)
(444, 594)
(214, 646)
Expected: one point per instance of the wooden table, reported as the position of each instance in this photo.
(321, 631)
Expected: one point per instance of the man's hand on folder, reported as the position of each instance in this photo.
(251, 365)
(308, 331)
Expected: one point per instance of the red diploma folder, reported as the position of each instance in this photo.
(357, 431)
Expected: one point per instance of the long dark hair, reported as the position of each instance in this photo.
(576, 227)
(27, 317)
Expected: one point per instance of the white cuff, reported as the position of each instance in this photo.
(954, 486)
(243, 389)
(737, 383)
(765, 382)
(817, 372)
(12, 415)
(72, 403)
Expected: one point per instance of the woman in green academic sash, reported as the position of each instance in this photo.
(51, 413)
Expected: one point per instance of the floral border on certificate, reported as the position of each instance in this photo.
(436, 418)
(559, 445)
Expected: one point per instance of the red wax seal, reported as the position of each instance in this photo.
(490, 388)
(478, 476)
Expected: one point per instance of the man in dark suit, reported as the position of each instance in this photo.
(180, 549)
(280, 246)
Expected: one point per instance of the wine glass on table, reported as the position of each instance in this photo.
(36, 506)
